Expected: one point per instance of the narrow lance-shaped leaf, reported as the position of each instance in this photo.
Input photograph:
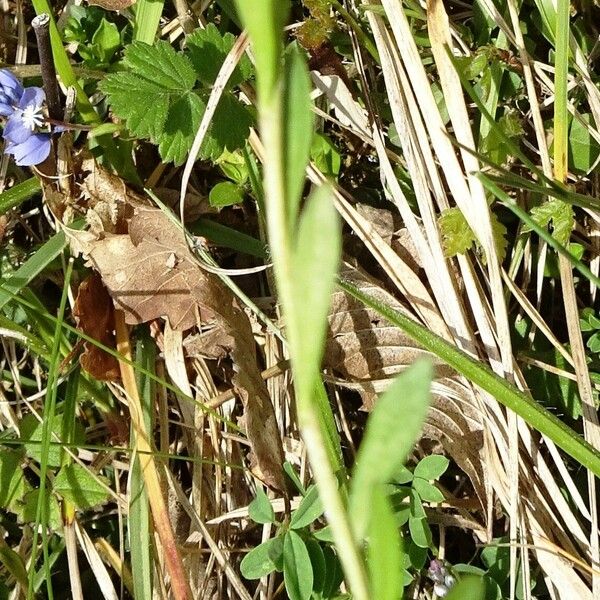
(391, 431)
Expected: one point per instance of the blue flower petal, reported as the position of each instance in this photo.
(32, 96)
(5, 108)
(31, 152)
(11, 86)
(15, 130)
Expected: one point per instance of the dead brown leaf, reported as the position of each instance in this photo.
(150, 273)
(115, 5)
(93, 311)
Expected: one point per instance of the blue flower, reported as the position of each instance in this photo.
(23, 109)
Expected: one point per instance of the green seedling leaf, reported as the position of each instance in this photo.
(427, 491)
(207, 49)
(559, 214)
(76, 484)
(106, 41)
(310, 508)
(432, 467)
(325, 155)
(13, 485)
(403, 475)
(420, 532)
(583, 148)
(385, 549)
(299, 125)
(392, 429)
(226, 193)
(291, 473)
(297, 568)
(457, 236)
(263, 559)
(417, 557)
(260, 509)
(316, 258)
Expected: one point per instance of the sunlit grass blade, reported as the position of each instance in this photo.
(147, 19)
(18, 194)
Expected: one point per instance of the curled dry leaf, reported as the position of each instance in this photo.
(150, 273)
(368, 351)
(94, 314)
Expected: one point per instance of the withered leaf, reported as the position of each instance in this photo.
(94, 314)
(115, 5)
(150, 273)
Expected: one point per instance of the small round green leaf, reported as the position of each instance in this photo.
(432, 467)
(226, 193)
(297, 568)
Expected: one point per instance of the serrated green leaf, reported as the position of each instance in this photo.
(431, 467)
(420, 532)
(310, 508)
(13, 485)
(263, 559)
(160, 65)
(297, 568)
(181, 124)
(457, 236)
(29, 510)
(394, 423)
(207, 50)
(154, 97)
(229, 129)
(260, 509)
(385, 549)
(557, 213)
(31, 432)
(427, 491)
(226, 193)
(76, 484)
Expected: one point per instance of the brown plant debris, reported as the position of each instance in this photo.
(94, 313)
(150, 274)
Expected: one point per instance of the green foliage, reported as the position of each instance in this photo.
(76, 484)
(459, 238)
(207, 49)
(97, 38)
(155, 95)
(309, 509)
(264, 559)
(297, 567)
(584, 150)
(13, 484)
(559, 215)
(325, 155)
(260, 509)
(226, 193)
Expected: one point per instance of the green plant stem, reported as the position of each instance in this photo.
(481, 375)
(278, 222)
(147, 19)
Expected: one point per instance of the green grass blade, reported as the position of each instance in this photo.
(18, 194)
(31, 268)
(147, 19)
(481, 375)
